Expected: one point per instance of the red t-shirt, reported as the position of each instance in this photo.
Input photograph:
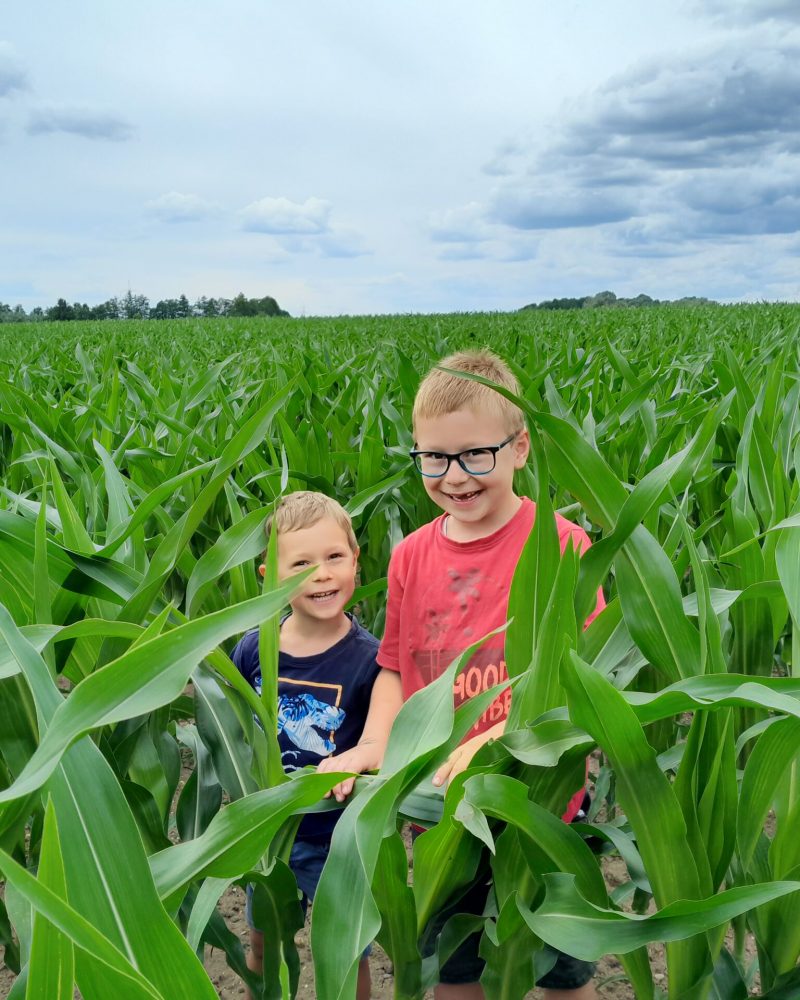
(444, 595)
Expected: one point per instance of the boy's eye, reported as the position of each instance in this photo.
(299, 563)
(477, 453)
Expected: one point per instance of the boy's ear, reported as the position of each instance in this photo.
(522, 448)
(262, 569)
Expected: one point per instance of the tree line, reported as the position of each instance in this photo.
(136, 306)
(609, 300)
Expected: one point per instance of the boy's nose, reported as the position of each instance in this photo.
(455, 474)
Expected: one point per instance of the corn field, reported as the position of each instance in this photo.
(139, 462)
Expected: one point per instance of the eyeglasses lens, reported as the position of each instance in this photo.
(478, 463)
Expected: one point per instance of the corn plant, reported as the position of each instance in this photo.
(131, 518)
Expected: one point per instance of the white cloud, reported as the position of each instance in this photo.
(460, 225)
(177, 207)
(280, 216)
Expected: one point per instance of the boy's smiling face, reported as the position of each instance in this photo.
(331, 585)
(477, 505)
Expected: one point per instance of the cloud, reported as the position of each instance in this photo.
(702, 106)
(343, 244)
(89, 123)
(549, 207)
(12, 75)
(460, 225)
(748, 11)
(280, 216)
(175, 207)
(504, 159)
(462, 251)
(700, 148)
(302, 227)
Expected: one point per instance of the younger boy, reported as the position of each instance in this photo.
(331, 712)
(449, 583)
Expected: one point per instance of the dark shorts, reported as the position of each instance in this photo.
(465, 964)
(306, 861)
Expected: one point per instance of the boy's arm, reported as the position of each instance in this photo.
(460, 759)
(367, 755)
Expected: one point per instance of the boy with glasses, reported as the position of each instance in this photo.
(449, 583)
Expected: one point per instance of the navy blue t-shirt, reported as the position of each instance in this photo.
(323, 702)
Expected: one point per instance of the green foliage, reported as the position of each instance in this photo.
(139, 461)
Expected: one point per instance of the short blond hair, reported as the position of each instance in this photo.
(441, 393)
(303, 509)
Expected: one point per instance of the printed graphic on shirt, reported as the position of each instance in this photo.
(486, 668)
(308, 720)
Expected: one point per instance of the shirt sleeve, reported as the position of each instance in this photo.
(389, 651)
(244, 660)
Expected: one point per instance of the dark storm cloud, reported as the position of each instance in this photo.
(84, 122)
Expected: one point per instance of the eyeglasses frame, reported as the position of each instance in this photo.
(456, 456)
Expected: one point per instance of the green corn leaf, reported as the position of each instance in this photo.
(150, 675)
(570, 923)
(52, 962)
(75, 928)
(269, 642)
(238, 835)
(241, 543)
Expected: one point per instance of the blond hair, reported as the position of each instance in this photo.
(303, 509)
(441, 393)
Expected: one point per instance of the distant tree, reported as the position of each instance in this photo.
(37, 313)
(184, 309)
(601, 299)
(268, 307)
(113, 308)
(242, 306)
(81, 310)
(61, 311)
(135, 306)
(206, 307)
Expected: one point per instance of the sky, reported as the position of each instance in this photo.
(368, 157)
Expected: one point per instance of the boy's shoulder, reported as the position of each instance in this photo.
(363, 636)
(420, 539)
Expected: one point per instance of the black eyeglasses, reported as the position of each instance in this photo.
(474, 461)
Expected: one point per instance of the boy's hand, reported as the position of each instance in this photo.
(460, 759)
(363, 757)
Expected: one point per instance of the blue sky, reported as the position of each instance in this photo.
(374, 157)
